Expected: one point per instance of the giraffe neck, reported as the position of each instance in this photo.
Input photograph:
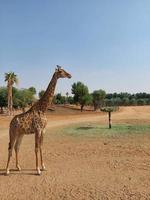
(46, 99)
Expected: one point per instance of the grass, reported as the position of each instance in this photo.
(94, 130)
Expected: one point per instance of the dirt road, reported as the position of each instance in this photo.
(81, 168)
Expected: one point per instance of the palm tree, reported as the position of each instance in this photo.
(11, 79)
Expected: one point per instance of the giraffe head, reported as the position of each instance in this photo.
(61, 73)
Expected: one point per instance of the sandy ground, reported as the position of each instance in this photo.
(81, 168)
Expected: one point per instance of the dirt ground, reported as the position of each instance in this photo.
(79, 168)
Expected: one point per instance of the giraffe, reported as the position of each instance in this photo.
(33, 121)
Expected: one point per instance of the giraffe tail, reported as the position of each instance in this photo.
(11, 142)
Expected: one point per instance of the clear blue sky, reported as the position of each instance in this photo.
(103, 43)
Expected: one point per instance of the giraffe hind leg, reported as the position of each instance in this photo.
(17, 147)
(10, 149)
(41, 153)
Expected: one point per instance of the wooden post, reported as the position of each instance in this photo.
(109, 113)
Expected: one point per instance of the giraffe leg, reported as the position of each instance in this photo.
(17, 146)
(41, 155)
(37, 147)
(10, 149)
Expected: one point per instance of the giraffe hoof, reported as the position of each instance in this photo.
(43, 168)
(7, 172)
(18, 168)
(39, 172)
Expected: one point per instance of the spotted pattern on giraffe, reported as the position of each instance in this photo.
(28, 123)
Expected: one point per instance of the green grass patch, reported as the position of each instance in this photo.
(94, 130)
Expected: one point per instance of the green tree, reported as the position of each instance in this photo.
(81, 94)
(148, 101)
(70, 100)
(16, 99)
(33, 90)
(133, 102)
(85, 100)
(59, 99)
(3, 98)
(108, 102)
(41, 93)
(98, 98)
(11, 79)
(24, 98)
(141, 102)
(125, 101)
(117, 101)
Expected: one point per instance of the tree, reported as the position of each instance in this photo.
(21, 98)
(3, 98)
(125, 101)
(108, 102)
(141, 102)
(59, 99)
(24, 98)
(16, 98)
(33, 90)
(85, 100)
(70, 100)
(79, 90)
(133, 102)
(11, 79)
(41, 93)
(148, 101)
(117, 101)
(98, 98)
(81, 94)
(109, 110)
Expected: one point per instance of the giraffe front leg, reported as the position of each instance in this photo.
(42, 163)
(37, 163)
(17, 163)
(7, 167)
(37, 146)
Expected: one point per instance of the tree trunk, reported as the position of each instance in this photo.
(82, 107)
(10, 101)
(2, 111)
(95, 107)
(109, 114)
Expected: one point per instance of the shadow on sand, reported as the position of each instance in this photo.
(16, 172)
(90, 127)
(84, 128)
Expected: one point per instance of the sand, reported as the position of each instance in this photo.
(81, 168)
